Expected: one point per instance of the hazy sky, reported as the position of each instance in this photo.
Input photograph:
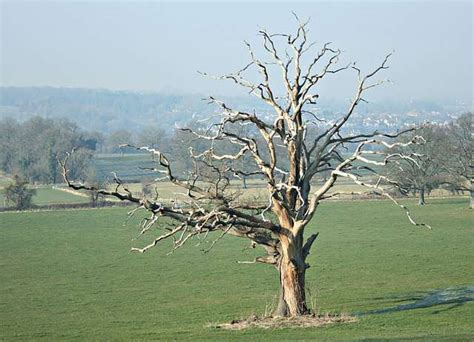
(159, 46)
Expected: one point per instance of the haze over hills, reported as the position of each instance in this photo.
(97, 109)
(108, 111)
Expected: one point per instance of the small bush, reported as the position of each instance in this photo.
(18, 194)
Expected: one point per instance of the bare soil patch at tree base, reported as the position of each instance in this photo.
(270, 322)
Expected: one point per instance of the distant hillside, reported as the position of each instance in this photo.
(108, 111)
(101, 110)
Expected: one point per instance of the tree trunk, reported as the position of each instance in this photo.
(421, 198)
(471, 192)
(292, 269)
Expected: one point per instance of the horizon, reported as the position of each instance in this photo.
(204, 97)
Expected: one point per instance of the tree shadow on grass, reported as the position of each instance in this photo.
(454, 297)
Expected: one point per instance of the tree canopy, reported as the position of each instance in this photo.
(30, 149)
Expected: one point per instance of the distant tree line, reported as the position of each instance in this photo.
(31, 149)
(443, 161)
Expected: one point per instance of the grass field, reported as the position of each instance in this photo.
(125, 165)
(69, 275)
(46, 195)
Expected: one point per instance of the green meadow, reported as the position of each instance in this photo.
(47, 195)
(68, 274)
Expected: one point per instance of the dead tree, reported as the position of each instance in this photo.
(278, 223)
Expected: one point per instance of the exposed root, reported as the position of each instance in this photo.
(270, 322)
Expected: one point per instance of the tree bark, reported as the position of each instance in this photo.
(292, 269)
(421, 198)
(471, 192)
(281, 309)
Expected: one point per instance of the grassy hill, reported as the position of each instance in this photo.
(69, 275)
